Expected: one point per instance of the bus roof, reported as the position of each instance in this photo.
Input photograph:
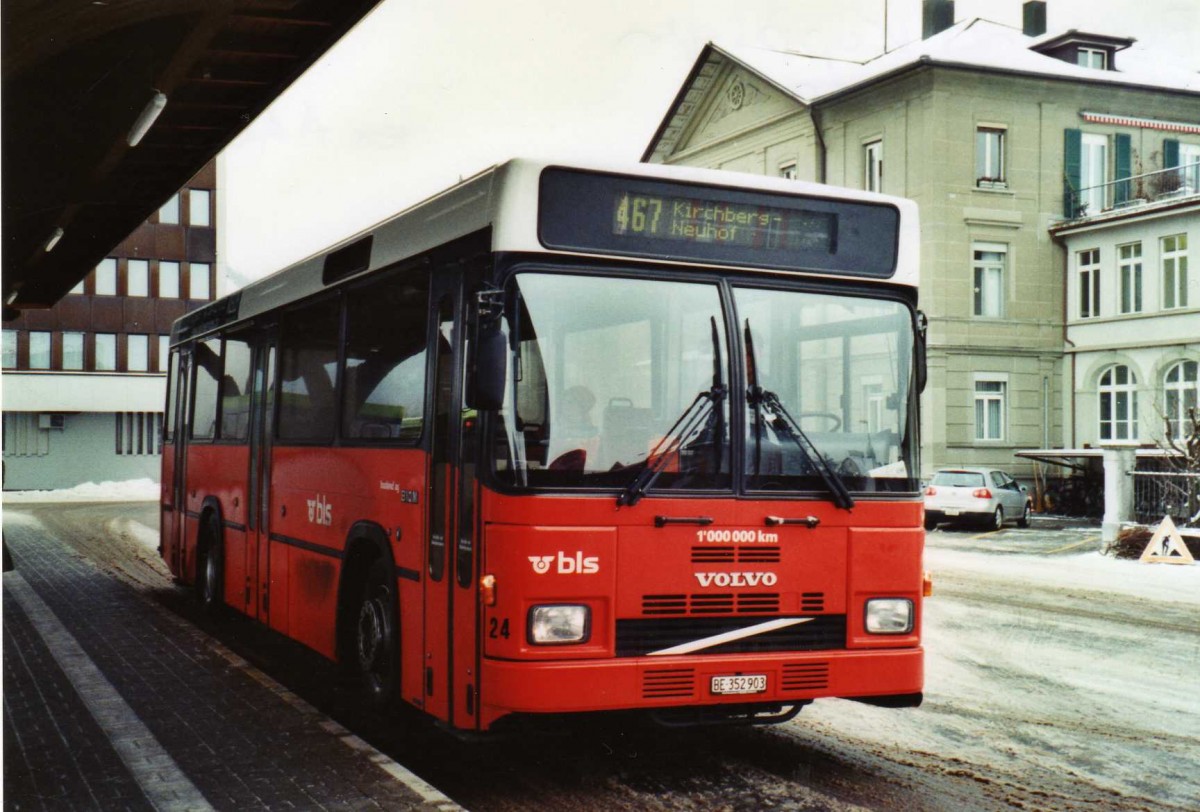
(504, 198)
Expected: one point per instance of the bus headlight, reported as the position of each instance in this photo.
(559, 623)
(889, 616)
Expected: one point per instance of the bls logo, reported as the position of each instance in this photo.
(566, 565)
(320, 511)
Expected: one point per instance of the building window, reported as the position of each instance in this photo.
(1181, 395)
(199, 203)
(106, 352)
(169, 213)
(1093, 173)
(1175, 271)
(1089, 283)
(988, 270)
(873, 166)
(1129, 271)
(168, 280)
(1118, 404)
(164, 352)
(990, 396)
(72, 350)
(39, 350)
(139, 433)
(78, 289)
(23, 437)
(198, 282)
(788, 170)
(10, 349)
(1092, 58)
(138, 278)
(137, 353)
(989, 158)
(106, 277)
(1189, 167)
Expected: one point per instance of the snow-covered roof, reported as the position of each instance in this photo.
(972, 43)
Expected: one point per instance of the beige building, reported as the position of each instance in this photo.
(998, 135)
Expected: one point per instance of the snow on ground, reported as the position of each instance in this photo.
(133, 490)
(1090, 571)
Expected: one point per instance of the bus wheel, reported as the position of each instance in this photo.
(376, 650)
(209, 578)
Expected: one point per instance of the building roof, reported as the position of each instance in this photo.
(971, 44)
(76, 78)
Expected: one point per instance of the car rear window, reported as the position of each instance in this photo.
(958, 479)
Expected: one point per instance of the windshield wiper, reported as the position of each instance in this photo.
(784, 424)
(693, 418)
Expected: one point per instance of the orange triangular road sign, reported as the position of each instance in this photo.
(1166, 546)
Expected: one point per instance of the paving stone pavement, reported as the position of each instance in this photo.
(184, 723)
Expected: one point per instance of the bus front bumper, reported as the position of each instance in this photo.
(661, 682)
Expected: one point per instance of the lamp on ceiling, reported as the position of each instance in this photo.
(147, 117)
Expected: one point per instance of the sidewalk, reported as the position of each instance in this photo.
(111, 702)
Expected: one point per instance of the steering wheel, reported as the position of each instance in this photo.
(830, 416)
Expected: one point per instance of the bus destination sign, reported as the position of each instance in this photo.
(722, 222)
(652, 218)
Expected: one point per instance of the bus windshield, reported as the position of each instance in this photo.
(626, 383)
(832, 373)
(609, 375)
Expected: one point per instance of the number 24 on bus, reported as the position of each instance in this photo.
(501, 457)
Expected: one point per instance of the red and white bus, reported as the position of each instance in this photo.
(571, 439)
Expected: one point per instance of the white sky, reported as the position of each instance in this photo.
(421, 94)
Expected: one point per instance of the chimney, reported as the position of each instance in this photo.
(936, 17)
(1035, 18)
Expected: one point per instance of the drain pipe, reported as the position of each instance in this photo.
(816, 122)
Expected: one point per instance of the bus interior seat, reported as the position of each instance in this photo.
(626, 435)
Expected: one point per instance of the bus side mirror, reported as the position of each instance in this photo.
(922, 367)
(491, 353)
(491, 357)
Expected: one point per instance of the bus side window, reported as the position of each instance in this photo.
(235, 391)
(383, 392)
(207, 357)
(308, 364)
(168, 430)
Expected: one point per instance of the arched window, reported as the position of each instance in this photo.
(1118, 404)
(1181, 393)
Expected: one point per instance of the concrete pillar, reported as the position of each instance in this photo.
(1118, 491)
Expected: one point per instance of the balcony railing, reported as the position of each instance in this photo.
(1136, 190)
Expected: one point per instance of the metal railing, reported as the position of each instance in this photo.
(1136, 190)
(1166, 493)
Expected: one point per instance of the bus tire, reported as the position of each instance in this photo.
(210, 570)
(375, 645)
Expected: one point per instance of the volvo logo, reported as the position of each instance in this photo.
(724, 579)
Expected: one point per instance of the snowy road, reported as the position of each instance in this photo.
(1056, 679)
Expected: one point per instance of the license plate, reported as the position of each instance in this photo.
(741, 684)
(952, 512)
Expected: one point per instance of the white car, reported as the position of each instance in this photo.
(980, 495)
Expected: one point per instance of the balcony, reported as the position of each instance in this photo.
(1119, 196)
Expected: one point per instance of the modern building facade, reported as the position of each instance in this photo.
(998, 134)
(84, 381)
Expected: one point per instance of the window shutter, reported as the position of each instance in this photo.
(1170, 153)
(1072, 170)
(1124, 168)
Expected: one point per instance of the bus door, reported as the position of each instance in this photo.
(176, 523)
(258, 487)
(446, 362)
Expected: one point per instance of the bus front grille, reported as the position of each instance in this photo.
(668, 683)
(720, 603)
(805, 677)
(643, 636)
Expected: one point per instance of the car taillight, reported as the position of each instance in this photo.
(931, 491)
(982, 493)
